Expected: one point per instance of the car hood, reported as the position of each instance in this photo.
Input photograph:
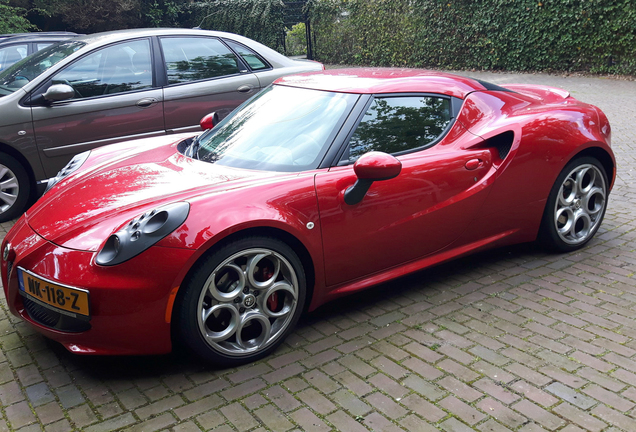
(83, 210)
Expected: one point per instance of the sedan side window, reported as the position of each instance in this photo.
(251, 58)
(399, 124)
(115, 69)
(12, 54)
(197, 58)
(42, 45)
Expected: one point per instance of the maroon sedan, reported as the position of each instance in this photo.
(321, 185)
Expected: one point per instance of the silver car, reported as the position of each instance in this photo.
(109, 87)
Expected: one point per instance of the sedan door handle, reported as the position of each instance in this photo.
(146, 102)
(245, 89)
(474, 164)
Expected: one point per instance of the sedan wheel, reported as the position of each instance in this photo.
(14, 188)
(243, 300)
(576, 205)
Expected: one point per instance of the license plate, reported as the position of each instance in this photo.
(66, 300)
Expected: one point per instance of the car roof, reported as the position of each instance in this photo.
(384, 80)
(18, 37)
(117, 35)
(94, 40)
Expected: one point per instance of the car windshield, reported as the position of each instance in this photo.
(20, 73)
(281, 129)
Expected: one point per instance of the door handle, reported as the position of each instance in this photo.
(474, 164)
(245, 89)
(146, 102)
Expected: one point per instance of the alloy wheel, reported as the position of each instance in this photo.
(580, 204)
(9, 188)
(247, 302)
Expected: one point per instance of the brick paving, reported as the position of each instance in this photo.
(508, 340)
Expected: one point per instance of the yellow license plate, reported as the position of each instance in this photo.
(73, 300)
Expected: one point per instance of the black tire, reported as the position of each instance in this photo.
(14, 195)
(220, 338)
(566, 226)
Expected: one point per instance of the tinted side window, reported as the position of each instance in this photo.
(42, 45)
(12, 54)
(251, 58)
(398, 124)
(195, 58)
(114, 69)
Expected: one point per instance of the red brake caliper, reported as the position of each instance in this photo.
(272, 302)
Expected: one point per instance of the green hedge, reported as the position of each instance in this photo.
(261, 20)
(562, 35)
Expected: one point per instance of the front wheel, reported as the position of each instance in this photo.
(242, 301)
(15, 188)
(576, 205)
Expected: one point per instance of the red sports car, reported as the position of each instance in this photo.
(321, 185)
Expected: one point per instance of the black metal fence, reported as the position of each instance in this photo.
(296, 12)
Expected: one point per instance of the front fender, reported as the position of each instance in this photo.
(287, 205)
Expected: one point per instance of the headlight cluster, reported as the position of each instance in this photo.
(142, 232)
(6, 251)
(72, 166)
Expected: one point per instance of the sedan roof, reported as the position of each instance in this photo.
(385, 80)
(21, 37)
(99, 39)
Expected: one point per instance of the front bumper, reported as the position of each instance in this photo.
(129, 303)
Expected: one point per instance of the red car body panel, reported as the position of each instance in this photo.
(127, 316)
(453, 198)
(384, 80)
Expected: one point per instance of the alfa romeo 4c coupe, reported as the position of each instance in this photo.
(321, 185)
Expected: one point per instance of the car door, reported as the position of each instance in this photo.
(422, 210)
(114, 100)
(203, 75)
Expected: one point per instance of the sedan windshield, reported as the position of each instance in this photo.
(281, 129)
(20, 73)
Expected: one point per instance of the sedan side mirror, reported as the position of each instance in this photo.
(372, 166)
(59, 92)
(209, 121)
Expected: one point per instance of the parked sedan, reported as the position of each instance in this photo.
(108, 87)
(322, 185)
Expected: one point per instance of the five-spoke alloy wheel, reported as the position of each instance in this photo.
(242, 300)
(576, 205)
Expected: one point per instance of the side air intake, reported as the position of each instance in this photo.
(502, 142)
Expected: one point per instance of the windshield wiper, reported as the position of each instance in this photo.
(193, 148)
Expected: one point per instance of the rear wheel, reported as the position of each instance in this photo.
(242, 301)
(15, 188)
(576, 205)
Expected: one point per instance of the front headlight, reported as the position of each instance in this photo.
(72, 166)
(6, 251)
(141, 233)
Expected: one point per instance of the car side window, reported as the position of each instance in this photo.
(197, 58)
(42, 45)
(254, 61)
(12, 54)
(115, 69)
(399, 124)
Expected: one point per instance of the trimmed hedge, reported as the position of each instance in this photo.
(596, 36)
(261, 20)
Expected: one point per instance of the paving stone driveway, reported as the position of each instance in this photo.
(513, 339)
